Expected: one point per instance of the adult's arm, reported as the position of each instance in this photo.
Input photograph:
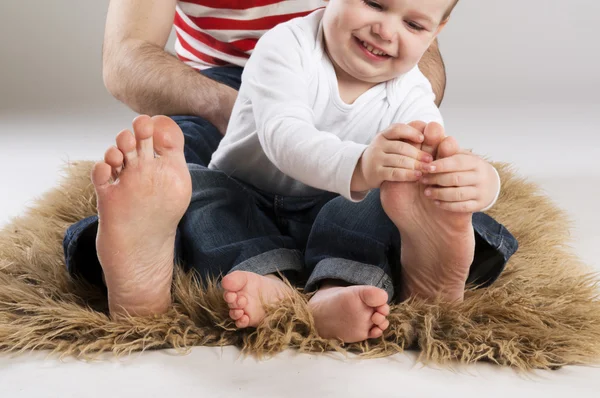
(434, 70)
(140, 73)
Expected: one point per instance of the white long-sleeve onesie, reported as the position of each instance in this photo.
(291, 134)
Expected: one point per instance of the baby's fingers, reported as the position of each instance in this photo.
(456, 179)
(399, 175)
(470, 206)
(405, 149)
(403, 132)
(459, 162)
(454, 194)
(402, 162)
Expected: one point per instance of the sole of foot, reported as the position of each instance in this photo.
(143, 188)
(247, 294)
(437, 246)
(350, 314)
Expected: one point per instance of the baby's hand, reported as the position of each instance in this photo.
(389, 159)
(463, 183)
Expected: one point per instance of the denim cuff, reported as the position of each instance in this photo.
(494, 245)
(79, 245)
(273, 261)
(352, 272)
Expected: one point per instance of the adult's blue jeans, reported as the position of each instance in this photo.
(230, 225)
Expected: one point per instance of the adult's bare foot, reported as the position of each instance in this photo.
(139, 213)
(351, 314)
(437, 246)
(248, 293)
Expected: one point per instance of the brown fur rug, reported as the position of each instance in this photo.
(543, 312)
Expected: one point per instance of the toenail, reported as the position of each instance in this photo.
(428, 192)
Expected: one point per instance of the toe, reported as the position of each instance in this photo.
(168, 137)
(434, 134)
(126, 144)
(235, 281)
(230, 297)
(377, 318)
(384, 325)
(373, 296)
(448, 147)
(418, 124)
(236, 314)
(375, 332)
(101, 174)
(243, 322)
(383, 309)
(114, 158)
(143, 128)
(242, 301)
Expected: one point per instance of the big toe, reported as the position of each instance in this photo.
(235, 281)
(434, 134)
(448, 147)
(373, 296)
(168, 136)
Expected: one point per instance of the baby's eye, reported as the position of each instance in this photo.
(415, 26)
(373, 4)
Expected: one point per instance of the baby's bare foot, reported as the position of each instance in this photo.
(139, 213)
(437, 246)
(351, 314)
(248, 293)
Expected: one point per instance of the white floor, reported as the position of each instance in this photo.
(556, 146)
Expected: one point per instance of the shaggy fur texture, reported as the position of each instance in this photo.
(543, 312)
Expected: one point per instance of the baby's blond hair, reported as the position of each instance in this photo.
(449, 11)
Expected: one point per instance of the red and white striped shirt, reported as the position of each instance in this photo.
(224, 32)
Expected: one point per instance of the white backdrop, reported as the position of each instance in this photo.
(523, 83)
(505, 52)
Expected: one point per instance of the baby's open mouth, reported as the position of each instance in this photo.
(372, 49)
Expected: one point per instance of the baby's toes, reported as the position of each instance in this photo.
(383, 309)
(242, 301)
(375, 332)
(377, 318)
(384, 325)
(230, 297)
(243, 322)
(236, 314)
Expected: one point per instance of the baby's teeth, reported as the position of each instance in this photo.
(372, 49)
